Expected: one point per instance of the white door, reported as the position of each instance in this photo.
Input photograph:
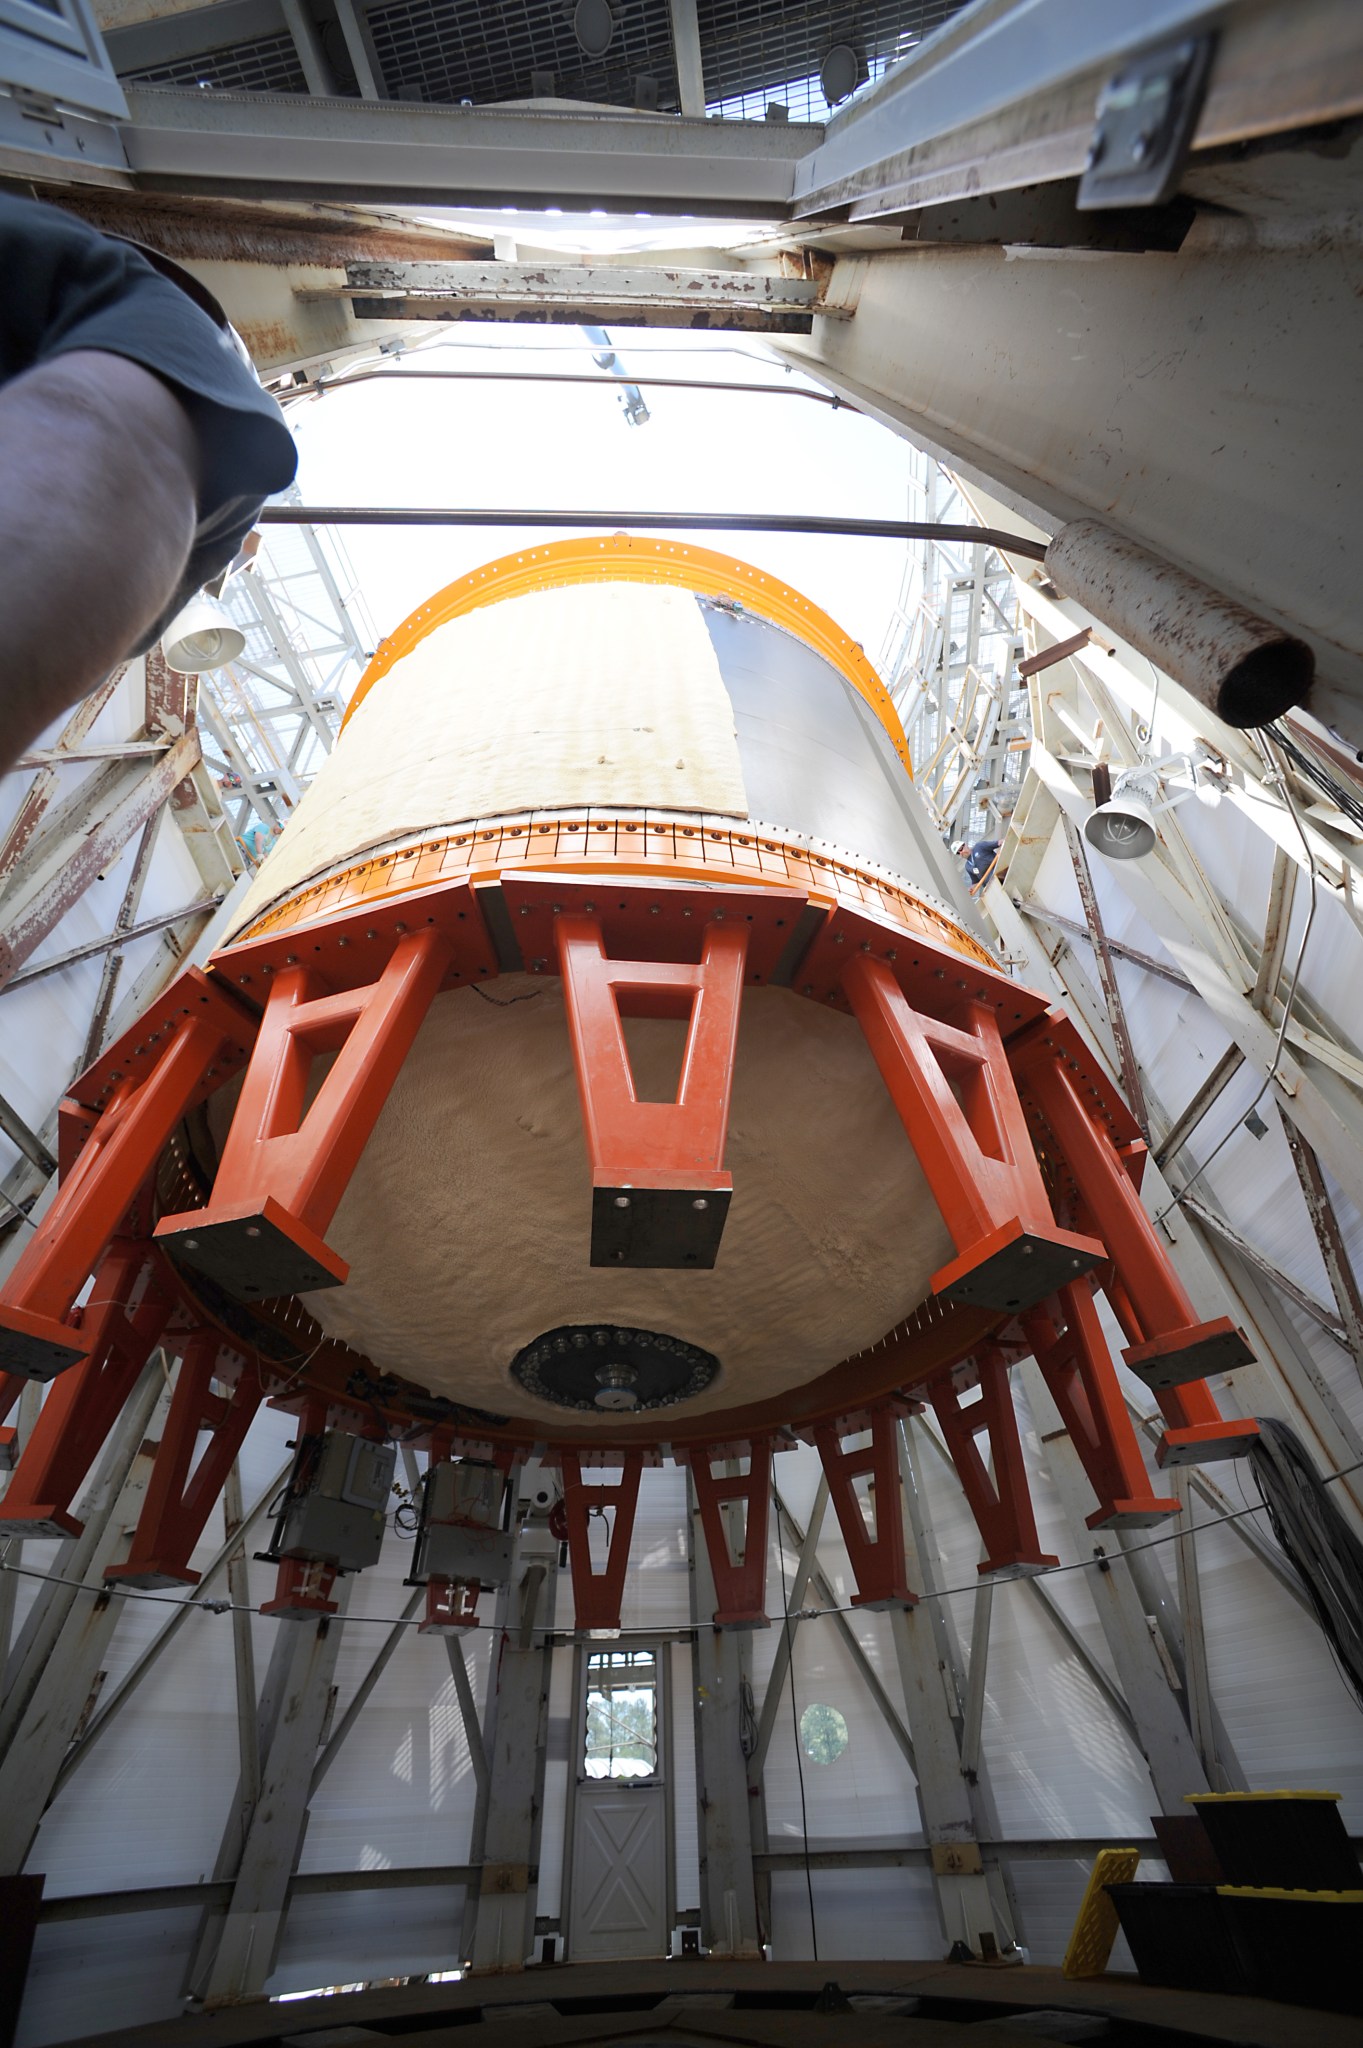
(618, 1894)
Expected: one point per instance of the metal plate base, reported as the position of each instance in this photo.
(1015, 1272)
(658, 1227)
(1132, 1515)
(40, 1522)
(1209, 1443)
(1192, 1354)
(37, 1347)
(256, 1256)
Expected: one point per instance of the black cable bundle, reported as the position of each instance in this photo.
(1317, 1539)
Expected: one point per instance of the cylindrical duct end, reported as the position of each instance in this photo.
(1242, 667)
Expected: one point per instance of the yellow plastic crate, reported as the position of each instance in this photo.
(1096, 1927)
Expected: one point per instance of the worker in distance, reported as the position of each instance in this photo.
(136, 450)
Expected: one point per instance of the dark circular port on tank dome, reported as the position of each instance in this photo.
(604, 1368)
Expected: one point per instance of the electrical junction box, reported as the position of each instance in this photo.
(339, 1503)
(460, 1513)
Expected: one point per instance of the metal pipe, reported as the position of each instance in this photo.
(320, 387)
(666, 522)
(1240, 666)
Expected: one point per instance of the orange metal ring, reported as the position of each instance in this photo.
(631, 558)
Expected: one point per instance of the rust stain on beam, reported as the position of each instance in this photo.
(233, 231)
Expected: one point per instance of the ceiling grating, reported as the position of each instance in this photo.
(452, 50)
(754, 55)
(270, 64)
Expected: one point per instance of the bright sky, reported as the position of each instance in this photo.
(522, 444)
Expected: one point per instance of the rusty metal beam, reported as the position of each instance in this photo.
(1333, 1250)
(1252, 1256)
(116, 940)
(1117, 947)
(1281, 889)
(1049, 657)
(27, 1141)
(1178, 1134)
(34, 806)
(62, 878)
(1107, 975)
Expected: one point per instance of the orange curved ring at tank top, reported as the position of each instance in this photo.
(631, 558)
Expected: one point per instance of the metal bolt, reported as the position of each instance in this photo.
(622, 1201)
(191, 1244)
(653, 910)
(838, 938)
(1140, 146)
(525, 910)
(253, 1230)
(700, 1203)
(343, 942)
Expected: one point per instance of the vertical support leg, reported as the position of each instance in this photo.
(101, 1185)
(728, 1889)
(659, 1190)
(597, 1595)
(123, 1321)
(1174, 1765)
(503, 1934)
(283, 1170)
(55, 1679)
(1173, 1347)
(1071, 1352)
(738, 1560)
(177, 1507)
(238, 1944)
(956, 1097)
(876, 1552)
(1001, 1505)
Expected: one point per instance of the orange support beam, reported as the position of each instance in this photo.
(873, 1529)
(284, 1168)
(1171, 1346)
(1001, 1505)
(955, 1095)
(738, 1561)
(1069, 1347)
(104, 1179)
(176, 1509)
(121, 1324)
(659, 1191)
(597, 1594)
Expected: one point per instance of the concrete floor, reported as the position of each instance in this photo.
(709, 2001)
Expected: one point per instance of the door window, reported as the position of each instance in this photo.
(622, 1715)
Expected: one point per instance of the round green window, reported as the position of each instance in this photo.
(823, 1734)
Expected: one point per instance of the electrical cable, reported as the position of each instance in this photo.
(1318, 1541)
(795, 1724)
(1101, 1560)
(1281, 774)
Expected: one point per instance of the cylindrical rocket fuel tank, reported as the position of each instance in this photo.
(607, 710)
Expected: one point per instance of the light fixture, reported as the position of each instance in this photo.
(593, 26)
(1123, 828)
(1121, 825)
(841, 73)
(201, 636)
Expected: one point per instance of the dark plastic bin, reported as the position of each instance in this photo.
(1181, 1936)
(1285, 1841)
(1306, 1947)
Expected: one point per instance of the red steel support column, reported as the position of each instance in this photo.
(1002, 1507)
(1173, 1348)
(597, 1595)
(82, 1407)
(283, 1170)
(877, 1556)
(977, 1153)
(96, 1195)
(177, 1507)
(1069, 1347)
(740, 1581)
(659, 1190)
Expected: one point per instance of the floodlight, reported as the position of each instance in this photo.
(201, 636)
(840, 73)
(1122, 828)
(593, 27)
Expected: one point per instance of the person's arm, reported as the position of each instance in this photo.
(99, 473)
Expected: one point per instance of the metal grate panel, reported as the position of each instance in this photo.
(452, 50)
(754, 55)
(268, 65)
